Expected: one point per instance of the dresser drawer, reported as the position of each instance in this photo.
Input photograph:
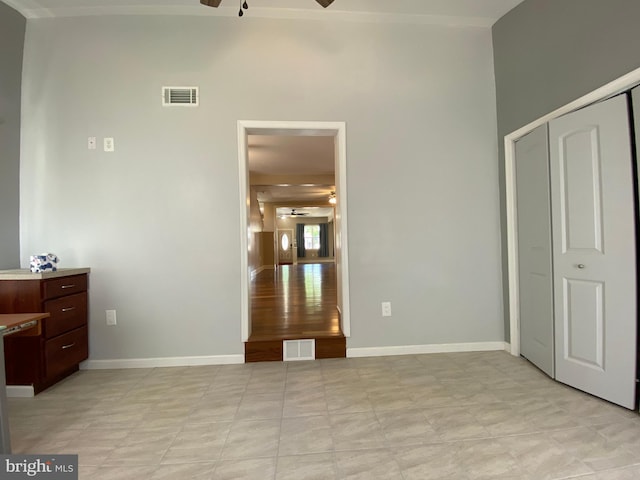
(67, 313)
(66, 351)
(58, 287)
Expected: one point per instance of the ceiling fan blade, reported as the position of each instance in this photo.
(325, 3)
(211, 3)
(297, 214)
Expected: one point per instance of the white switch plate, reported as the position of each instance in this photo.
(91, 143)
(111, 317)
(109, 146)
(386, 309)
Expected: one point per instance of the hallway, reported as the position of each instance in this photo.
(295, 301)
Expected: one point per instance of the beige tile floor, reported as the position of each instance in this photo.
(442, 416)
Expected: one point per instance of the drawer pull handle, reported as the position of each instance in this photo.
(64, 347)
(68, 309)
(67, 286)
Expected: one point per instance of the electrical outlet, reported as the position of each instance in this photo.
(386, 309)
(111, 317)
(109, 145)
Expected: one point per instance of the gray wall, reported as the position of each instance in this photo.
(12, 28)
(548, 53)
(158, 219)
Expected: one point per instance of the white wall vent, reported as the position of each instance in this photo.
(293, 350)
(180, 96)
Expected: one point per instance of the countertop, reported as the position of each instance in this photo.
(26, 274)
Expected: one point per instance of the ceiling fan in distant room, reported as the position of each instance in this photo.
(244, 5)
(293, 213)
(297, 214)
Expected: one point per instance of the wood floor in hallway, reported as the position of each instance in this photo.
(295, 301)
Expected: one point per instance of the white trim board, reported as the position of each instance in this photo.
(619, 85)
(20, 391)
(422, 349)
(338, 130)
(196, 10)
(162, 362)
(256, 271)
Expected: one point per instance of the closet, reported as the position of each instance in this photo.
(576, 221)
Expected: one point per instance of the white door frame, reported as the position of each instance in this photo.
(329, 129)
(617, 86)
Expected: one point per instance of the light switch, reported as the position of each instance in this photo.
(111, 317)
(91, 143)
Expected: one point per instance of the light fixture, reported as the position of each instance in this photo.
(245, 6)
(332, 198)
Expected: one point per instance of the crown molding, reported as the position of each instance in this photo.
(254, 12)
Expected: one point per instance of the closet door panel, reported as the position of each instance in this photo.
(594, 258)
(534, 250)
(635, 96)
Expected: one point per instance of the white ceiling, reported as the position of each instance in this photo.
(291, 155)
(302, 169)
(477, 13)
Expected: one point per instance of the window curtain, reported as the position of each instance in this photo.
(300, 239)
(324, 240)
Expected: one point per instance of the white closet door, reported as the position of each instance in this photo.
(594, 251)
(635, 95)
(534, 250)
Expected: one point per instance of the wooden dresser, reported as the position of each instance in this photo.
(63, 343)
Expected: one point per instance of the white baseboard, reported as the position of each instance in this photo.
(20, 391)
(256, 271)
(162, 362)
(317, 260)
(237, 359)
(507, 347)
(420, 349)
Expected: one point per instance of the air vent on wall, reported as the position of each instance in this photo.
(180, 96)
(298, 350)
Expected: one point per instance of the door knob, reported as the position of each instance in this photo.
(580, 265)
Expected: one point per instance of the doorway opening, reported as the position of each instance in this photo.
(289, 291)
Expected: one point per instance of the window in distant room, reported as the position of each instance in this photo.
(312, 237)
